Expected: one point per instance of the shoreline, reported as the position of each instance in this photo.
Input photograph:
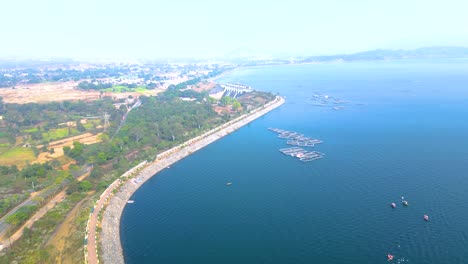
(112, 251)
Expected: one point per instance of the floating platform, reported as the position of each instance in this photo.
(304, 142)
(299, 140)
(302, 154)
(295, 138)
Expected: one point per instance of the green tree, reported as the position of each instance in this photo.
(21, 215)
(101, 157)
(225, 100)
(73, 187)
(66, 150)
(80, 126)
(85, 186)
(236, 105)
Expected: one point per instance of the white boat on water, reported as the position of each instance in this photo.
(130, 201)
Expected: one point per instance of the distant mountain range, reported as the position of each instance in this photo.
(383, 54)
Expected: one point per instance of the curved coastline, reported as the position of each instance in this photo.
(112, 251)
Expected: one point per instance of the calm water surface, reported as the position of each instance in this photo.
(402, 133)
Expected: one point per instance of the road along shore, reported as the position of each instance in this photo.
(109, 236)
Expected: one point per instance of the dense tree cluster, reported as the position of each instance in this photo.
(85, 85)
(21, 215)
(76, 186)
(9, 202)
(227, 100)
(97, 85)
(8, 170)
(36, 170)
(74, 152)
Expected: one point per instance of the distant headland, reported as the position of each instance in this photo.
(388, 54)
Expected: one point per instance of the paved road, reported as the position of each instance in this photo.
(124, 117)
(3, 225)
(92, 224)
(51, 204)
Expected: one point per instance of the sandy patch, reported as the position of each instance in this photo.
(86, 138)
(67, 166)
(203, 86)
(60, 91)
(59, 239)
(46, 92)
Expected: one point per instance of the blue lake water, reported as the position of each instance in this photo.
(404, 132)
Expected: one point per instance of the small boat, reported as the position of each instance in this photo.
(130, 201)
(393, 205)
(405, 203)
(229, 184)
(426, 218)
(389, 257)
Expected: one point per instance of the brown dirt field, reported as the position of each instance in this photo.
(46, 92)
(59, 239)
(218, 95)
(84, 176)
(55, 92)
(67, 166)
(203, 86)
(46, 156)
(223, 109)
(66, 230)
(86, 138)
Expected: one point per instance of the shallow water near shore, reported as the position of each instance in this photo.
(401, 132)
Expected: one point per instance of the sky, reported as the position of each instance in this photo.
(209, 28)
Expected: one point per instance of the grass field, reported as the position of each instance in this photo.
(3, 149)
(123, 88)
(58, 133)
(90, 124)
(140, 89)
(18, 156)
(55, 133)
(4, 142)
(31, 130)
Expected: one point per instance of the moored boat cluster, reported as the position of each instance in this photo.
(406, 204)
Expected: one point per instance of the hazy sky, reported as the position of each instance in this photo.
(175, 28)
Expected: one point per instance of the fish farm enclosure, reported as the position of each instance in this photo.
(298, 140)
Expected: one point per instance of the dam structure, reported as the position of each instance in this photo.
(235, 90)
